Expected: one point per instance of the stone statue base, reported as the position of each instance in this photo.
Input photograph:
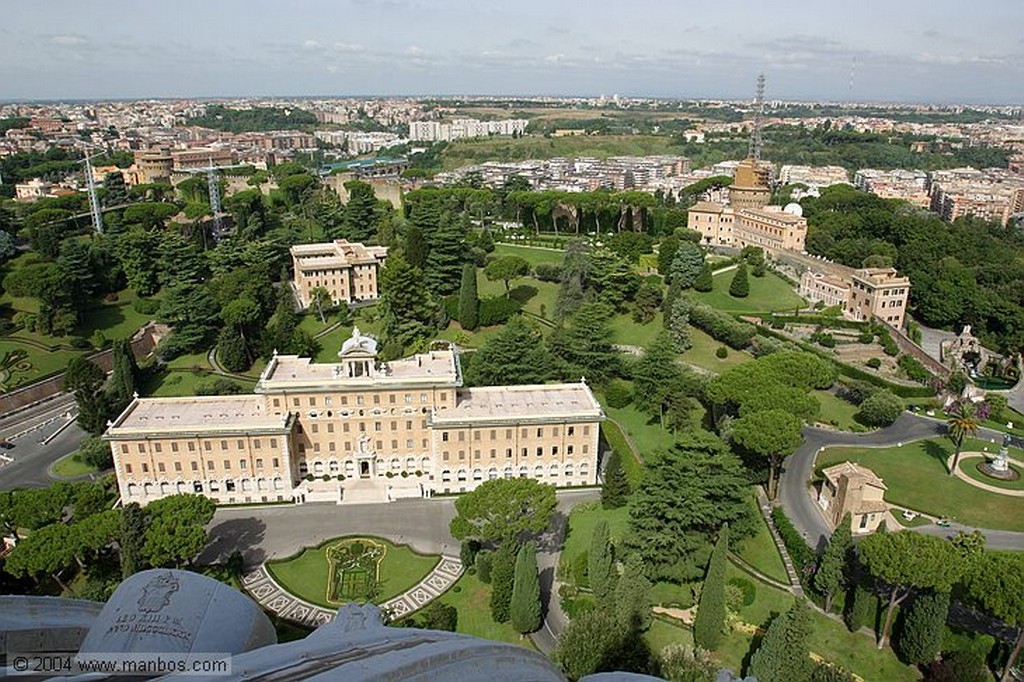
(1003, 474)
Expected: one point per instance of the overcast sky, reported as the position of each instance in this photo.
(895, 50)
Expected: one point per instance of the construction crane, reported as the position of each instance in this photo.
(214, 191)
(95, 210)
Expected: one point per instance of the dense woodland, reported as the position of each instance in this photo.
(254, 119)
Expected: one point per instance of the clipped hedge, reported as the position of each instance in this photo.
(854, 372)
(822, 320)
(800, 552)
(497, 310)
(720, 326)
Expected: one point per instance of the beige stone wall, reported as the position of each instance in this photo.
(233, 468)
(345, 285)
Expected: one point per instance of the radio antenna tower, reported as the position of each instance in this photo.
(754, 151)
(94, 201)
(211, 183)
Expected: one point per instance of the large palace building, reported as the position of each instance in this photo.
(359, 430)
(349, 271)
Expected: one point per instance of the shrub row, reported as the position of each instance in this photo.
(834, 322)
(721, 326)
(495, 310)
(800, 552)
(854, 372)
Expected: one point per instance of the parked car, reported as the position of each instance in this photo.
(6, 445)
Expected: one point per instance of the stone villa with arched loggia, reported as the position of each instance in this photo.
(358, 430)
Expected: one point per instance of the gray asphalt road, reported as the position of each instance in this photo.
(31, 457)
(274, 532)
(799, 469)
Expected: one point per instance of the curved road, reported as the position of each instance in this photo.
(798, 470)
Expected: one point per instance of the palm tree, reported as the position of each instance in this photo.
(962, 423)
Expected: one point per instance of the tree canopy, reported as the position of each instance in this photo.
(503, 510)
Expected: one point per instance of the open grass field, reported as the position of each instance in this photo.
(36, 364)
(536, 297)
(582, 521)
(633, 468)
(467, 152)
(829, 638)
(306, 574)
(702, 353)
(627, 332)
(759, 550)
(532, 254)
(71, 466)
(770, 292)
(662, 634)
(645, 432)
(472, 598)
(970, 467)
(916, 477)
(835, 410)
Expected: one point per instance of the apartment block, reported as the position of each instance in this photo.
(879, 293)
(349, 271)
(358, 430)
(771, 227)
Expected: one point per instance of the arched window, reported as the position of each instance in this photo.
(508, 472)
(460, 475)
(446, 475)
(478, 475)
(492, 474)
(553, 470)
(523, 472)
(538, 471)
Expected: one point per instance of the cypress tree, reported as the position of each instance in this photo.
(740, 286)
(921, 636)
(133, 533)
(831, 574)
(705, 280)
(122, 376)
(710, 621)
(687, 265)
(633, 596)
(446, 255)
(525, 606)
(615, 490)
(503, 567)
(469, 303)
(861, 606)
(783, 655)
(601, 562)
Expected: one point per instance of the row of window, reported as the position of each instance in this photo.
(210, 465)
(158, 447)
(213, 486)
(377, 426)
(539, 471)
(524, 433)
(525, 452)
(328, 401)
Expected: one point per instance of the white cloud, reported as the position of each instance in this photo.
(414, 50)
(68, 40)
(554, 58)
(310, 45)
(348, 47)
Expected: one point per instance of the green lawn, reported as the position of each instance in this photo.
(170, 383)
(836, 411)
(702, 353)
(117, 319)
(645, 432)
(662, 634)
(916, 477)
(305, 575)
(629, 333)
(582, 521)
(37, 363)
(472, 600)
(535, 296)
(72, 466)
(767, 293)
(970, 467)
(533, 255)
(759, 550)
(829, 638)
(613, 435)
(466, 152)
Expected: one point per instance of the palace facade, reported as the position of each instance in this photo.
(358, 430)
(349, 271)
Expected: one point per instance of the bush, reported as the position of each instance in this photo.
(861, 607)
(799, 551)
(866, 337)
(778, 324)
(145, 306)
(580, 566)
(548, 272)
(823, 339)
(913, 368)
(854, 391)
(720, 326)
(746, 588)
(618, 394)
(881, 409)
(497, 310)
(888, 344)
(80, 343)
(468, 551)
(483, 567)
(721, 352)
(959, 666)
(874, 363)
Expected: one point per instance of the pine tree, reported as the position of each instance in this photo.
(359, 224)
(831, 574)
(861, 607)
(687, 264)
(575, 266)
(525, 608)
(783, 655)
(633, 596)
(416, 248)
(469, 303)
(740, 285)
(406, 308)
(133, 532)
(656, 375)
(503, 571)
(705, 280)
(615, 490)
(601, 562)
(231, 350)
(586, 344)
(666, 254)
(515, 355)
(117, 191)
(76, 268)
(709, 624)
(446, 256)
(923, 628)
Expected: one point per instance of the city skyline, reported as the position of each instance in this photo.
(915, 52)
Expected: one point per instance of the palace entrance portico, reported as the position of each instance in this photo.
(365, 485)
